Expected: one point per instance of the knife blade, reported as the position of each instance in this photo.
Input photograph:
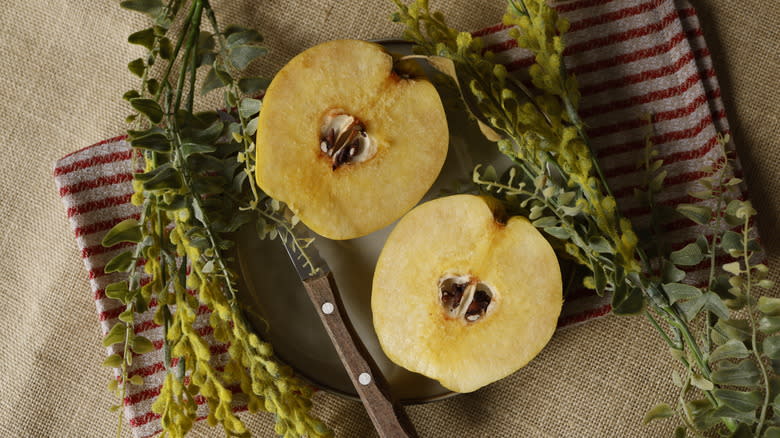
(386, 413)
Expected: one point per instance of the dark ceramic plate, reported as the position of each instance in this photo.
(279, 307)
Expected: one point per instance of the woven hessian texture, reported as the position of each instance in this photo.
(63, 73)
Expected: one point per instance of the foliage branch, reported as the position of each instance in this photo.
(195, 186)
(722, 334)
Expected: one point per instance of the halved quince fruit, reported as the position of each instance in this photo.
(463, 297)
(349, 144)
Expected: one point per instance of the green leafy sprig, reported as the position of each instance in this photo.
(556, 181)
(196, 188)
(730, 367)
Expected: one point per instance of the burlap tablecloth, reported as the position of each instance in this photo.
(61, 75)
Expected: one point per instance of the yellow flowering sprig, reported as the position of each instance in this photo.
(539, 29)
(536, 129)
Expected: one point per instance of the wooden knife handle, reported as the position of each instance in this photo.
(388, 416)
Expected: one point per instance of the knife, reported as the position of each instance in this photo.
(386, 413)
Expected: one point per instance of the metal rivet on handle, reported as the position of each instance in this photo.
(328, 308)
(364, 379)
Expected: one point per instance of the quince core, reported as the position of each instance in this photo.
(346, 142)
(462, 297)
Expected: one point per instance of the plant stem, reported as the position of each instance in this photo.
(193, 73)
(751, 317)
(687, 419)
(193, 34)
(134, 289)
(575, 119)
(180, 40)
(663, 334)
(249, 169)
(677, 321)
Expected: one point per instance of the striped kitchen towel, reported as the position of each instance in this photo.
(632, 58)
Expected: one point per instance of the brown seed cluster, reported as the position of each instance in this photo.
(464, 297)
(344, 144)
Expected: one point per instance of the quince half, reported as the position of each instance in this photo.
(463, 297)
(349, 144)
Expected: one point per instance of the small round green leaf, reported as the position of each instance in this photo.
(599, 278)
(701, 382)
(769, 306)
(253, 85)
(116, 335)
(600, 245)
(734, 329)
(697, 213)
(715, 304)
(120, 262)
(146, 176)
(657, 183)
(167, 178)
(251, 127)
(142, 38)
(701, 194)
(731, 212)
(743, 373)
(137, 67)
(661, 410)
(731, 241)
(149, 7)
(545, 222)
(188, 149)
(743, 431)
(702, 413)
(732, 349)
(166, 48)
(129, 230)
(249, 107)
(153, 85)
(732, 268)
(560, 233)
(117, 291)
(149, 108)
(771, 432)
(689, 255)
(769, 324)
(128, 316)
(240, 56)
(239, 36)
(679, 291)
(154, 142)
(113, 361)
(671, 274)
(208, 267)
(536, 212)
(627, 301)
(691, 308)
(142, 345)
(131, 94)
(211, 82)
(771, 347)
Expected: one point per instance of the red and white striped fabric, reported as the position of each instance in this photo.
(635, 58)
(632, 58)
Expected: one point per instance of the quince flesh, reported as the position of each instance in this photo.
(463, 298)
(346, 142)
